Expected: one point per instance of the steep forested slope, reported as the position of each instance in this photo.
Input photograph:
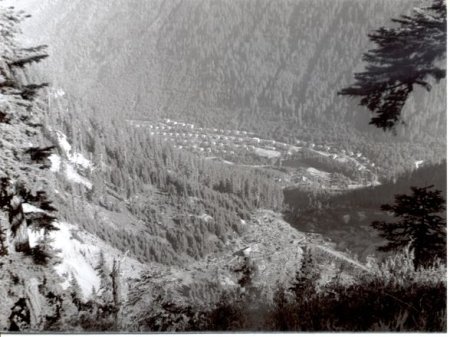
(269, 66)
(160, 203)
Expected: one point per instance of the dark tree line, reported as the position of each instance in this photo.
(421, 226)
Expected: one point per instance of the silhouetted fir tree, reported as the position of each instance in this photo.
(20, 63)
(420, 226)
(404, 56)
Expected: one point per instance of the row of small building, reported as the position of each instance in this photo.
(187, 136)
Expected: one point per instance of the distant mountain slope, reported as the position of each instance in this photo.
(273, 67)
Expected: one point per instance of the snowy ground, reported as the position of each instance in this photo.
(80, 253)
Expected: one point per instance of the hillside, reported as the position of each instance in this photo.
(260, 66)
(196, 171)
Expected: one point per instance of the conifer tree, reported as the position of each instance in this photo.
(406, 56)
(420, 226)
(75, 289)
(104, 275)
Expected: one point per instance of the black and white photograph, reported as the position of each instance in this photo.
(223, 166)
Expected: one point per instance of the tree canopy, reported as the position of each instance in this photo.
(407, 55)
(421, 226)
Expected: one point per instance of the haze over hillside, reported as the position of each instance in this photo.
(220, 63)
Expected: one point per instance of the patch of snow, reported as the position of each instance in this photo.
(63, 143)
(27, 208)
(80, 255)
(75, 158)
(73, 261)
(418, 163)
(247, 251)
(74, 176)
(56, 162)
(79, 159)
(59, 93)
(34, 236)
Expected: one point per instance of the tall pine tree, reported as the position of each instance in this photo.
(420, 225)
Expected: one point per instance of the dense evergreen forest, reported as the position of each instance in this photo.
(263, 66)
(167, 189)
